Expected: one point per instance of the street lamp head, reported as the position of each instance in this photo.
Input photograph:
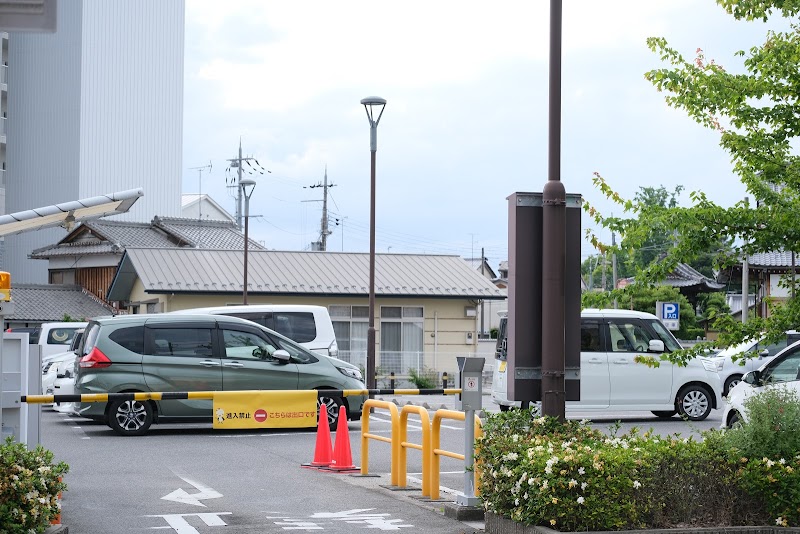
(248, 185)
(373, 104)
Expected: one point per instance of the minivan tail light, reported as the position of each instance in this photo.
(95, 359)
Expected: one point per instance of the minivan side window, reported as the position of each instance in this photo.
(131, 338)
(246, 346)
(628, 335)
(299, 326)
(590, 336)
(181, 341)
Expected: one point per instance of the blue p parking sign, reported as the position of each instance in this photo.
(669, 313)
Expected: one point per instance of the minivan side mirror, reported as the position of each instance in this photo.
(753, 378)
(281, 355)
(655, 345)
(66, 374)
(763, 354)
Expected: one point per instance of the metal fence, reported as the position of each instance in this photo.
(406, 365)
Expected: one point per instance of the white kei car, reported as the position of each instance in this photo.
(612, 379)
(749, 356)
(782, 371)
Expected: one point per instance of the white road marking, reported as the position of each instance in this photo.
(182, 496)
(181, 526)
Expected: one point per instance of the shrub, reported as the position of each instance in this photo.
(773, 425)
(569, 476)
(424, 379)
(29, 486)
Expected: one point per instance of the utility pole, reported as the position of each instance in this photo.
(482, 301)
(324, 231)
(237, 162)
(614, 264)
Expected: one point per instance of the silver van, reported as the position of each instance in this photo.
(308, 325)
(168, 352)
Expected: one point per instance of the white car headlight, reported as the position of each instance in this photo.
(352, 373)
(714, 366)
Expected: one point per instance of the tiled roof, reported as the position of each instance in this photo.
(47, 303)
(113, 237)
(185, 270)
(686, 276)
(773, 259)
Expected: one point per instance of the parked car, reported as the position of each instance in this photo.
(612, 379)
(198, 352)
(60, 366)
(749, 355)
(64, 384)
(308, 325)
(53, 338)
(781, 371)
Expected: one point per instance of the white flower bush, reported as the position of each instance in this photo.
(29, 487)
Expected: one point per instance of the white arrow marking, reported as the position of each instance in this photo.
(182, 496)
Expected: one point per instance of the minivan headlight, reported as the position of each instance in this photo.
(352, 373)
(712, 365)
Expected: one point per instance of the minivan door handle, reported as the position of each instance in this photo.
(233, 364)
(596, 360)
(210, 363)
(621, 362)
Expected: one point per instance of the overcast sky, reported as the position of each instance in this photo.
(466, 118)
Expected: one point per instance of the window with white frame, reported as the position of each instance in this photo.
(401, 339)
(350, 325)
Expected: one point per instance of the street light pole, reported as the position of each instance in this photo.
(371, 105)
(248, 185)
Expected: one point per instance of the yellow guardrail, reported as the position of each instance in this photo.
(365, 436)
(436, 452)
(425, 446)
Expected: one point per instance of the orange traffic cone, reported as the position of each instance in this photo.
(342, 457)
(323, 453)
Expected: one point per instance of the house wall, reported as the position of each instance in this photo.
(447, 331)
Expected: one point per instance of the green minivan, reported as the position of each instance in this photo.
(181, 353)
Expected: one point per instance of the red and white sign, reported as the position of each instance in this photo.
(260, 415)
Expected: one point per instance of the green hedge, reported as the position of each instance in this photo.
(569, 476)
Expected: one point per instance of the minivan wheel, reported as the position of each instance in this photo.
(730, 383)
(665, 414)
(735, 420)
(694, 402)
(130, 417)
(332, 406)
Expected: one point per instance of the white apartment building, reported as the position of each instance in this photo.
(95, 107)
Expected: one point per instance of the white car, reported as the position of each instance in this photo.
(65, 385)
(731, 372)
(611, 379)
(54, 366)
(782, 371)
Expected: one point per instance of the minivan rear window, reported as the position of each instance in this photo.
(131, 338)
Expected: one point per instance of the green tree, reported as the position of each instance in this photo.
(757, 115)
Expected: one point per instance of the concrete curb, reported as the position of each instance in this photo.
(497, 524)
(57, 529)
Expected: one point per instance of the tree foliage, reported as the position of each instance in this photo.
(757, 115)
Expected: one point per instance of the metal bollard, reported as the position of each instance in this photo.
(444, 380)
(391, 380)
